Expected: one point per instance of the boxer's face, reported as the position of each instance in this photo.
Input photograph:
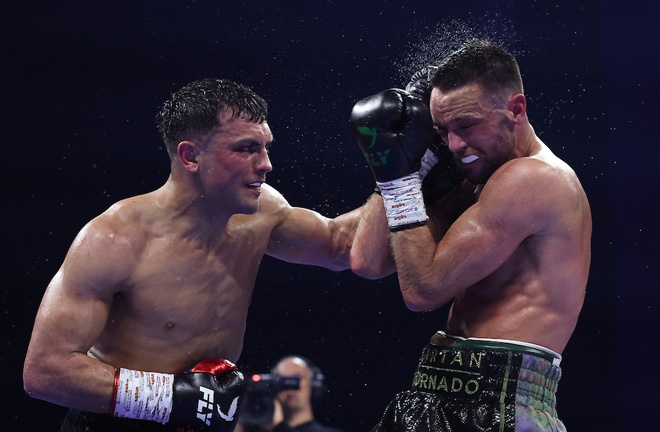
(477, 128)
(233, 163)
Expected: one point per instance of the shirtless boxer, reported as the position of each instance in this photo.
(161, 282)
(514, 261)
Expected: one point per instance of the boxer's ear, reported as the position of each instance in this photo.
(518, 106)
(187, 153)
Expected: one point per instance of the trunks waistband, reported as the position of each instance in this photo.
(489, 371)
(441, 339)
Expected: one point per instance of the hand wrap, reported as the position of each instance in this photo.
(404, 202)
(204, 398)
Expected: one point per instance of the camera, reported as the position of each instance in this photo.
(258, 407)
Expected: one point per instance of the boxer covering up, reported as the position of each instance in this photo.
(478, 385)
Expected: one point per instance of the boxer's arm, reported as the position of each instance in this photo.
(72, 315)
(371, 255)
(510, 209)
(303, 236)
(392, 129)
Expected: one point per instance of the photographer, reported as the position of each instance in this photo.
(292, 408)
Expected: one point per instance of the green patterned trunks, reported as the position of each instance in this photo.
(478, 385)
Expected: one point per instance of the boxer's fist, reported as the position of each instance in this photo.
(207, 396)
(441, 175)
(393, 130)
(444, 176)
(420, 84)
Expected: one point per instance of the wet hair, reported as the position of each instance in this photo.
(482, 62)
(193, 110)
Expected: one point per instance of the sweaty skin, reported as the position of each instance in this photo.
(162, 281)
(516, 262)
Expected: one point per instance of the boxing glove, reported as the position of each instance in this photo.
(203, 398)
(439, 171)
(393, 129)
(419, 85)
(442, 177)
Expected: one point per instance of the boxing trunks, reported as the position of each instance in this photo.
(478, 384)
(82, 421)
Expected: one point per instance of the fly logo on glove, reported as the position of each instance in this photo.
(205, 407)
(378, 158)
(205, 404)
(404, 128)
(370, 132)
(188, 399)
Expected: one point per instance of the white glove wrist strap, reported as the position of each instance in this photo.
(404, 202)
(143, 395)
(429, 160)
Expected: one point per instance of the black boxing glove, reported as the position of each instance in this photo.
(420, 84)
(393, 130)
(203, 398)
(440, 172)
(443, 174)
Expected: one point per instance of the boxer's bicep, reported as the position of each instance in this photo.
(76, 303)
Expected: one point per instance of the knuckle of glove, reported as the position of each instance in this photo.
(382, 113)
(420, 90)
(232, 380)
(390, 108)
(420, 121)
(420, 83)
(215, 394)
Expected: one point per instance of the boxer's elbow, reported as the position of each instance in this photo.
(417, 303)
(38, 382)
(370, 268)
(31, 382)
(419, 298)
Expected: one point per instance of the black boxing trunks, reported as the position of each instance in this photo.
(82, 421)
(478, 384)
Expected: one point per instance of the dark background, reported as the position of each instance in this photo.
(82, 82)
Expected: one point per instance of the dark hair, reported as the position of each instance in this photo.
(482, 62)
(195, 107)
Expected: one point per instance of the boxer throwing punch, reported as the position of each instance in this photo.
(139, 327)
(514, 262)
